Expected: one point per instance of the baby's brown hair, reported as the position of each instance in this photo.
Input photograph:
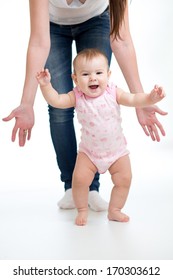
(89, 54)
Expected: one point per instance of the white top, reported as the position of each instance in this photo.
(77, 12)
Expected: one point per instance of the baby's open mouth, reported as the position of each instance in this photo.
(93, 86)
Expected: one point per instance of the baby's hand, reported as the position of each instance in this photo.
(157, 94)
(43, 77)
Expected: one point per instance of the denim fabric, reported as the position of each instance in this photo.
(93, 33)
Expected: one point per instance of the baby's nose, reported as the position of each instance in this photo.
(93, 77)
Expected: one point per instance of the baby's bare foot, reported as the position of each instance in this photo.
(81, 218)
(118, 216)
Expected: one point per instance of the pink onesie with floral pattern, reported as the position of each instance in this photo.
(102, 139)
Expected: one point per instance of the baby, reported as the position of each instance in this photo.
(103, 145)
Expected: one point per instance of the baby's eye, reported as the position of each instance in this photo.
(99, 73)
(85, 74)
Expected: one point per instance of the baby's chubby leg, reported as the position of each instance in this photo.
(121, 176)
(83, 176)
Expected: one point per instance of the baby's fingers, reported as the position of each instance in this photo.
(161, 92)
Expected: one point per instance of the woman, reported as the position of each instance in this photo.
(55, 24)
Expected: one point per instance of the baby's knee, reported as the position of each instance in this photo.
(127, 178)
(124, 180)
(78, 178)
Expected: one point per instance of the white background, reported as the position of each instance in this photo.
(32, 227)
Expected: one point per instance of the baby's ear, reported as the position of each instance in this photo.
(74, 77)
(109, 73)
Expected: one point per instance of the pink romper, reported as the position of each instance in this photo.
(102, 139)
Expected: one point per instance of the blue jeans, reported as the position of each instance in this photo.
(93, 33)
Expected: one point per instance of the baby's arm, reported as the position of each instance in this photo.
(52, 97)
(140, 99)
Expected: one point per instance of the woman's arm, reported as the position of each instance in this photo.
(38, 47)
(37, 53)
(125, 55)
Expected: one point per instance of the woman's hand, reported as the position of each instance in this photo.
(24, 116)
(150, 124)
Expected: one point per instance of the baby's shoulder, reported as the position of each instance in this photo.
(111, 89)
